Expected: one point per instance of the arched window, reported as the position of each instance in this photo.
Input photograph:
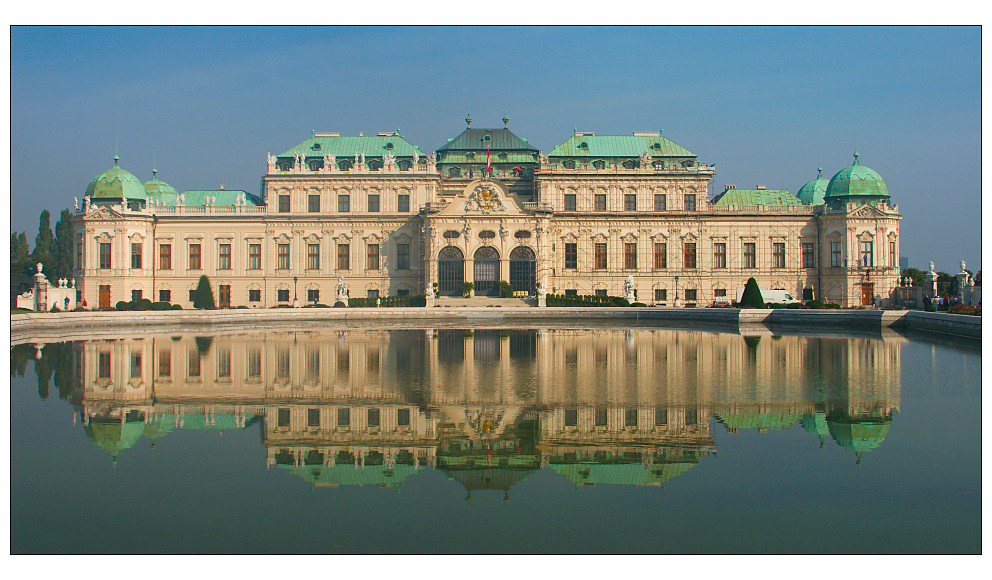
(487, 235)
(522, 268)
(521, 234)
(486, 271)
(451, 234)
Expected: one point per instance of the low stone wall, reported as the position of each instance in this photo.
(49, 327)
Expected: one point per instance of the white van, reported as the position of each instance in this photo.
(770, 296)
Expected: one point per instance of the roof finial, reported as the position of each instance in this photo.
(313, 132)
(468, 120)
(116, 147)
(819, 172)
(855, 156)
(575, 130)
(506, 119)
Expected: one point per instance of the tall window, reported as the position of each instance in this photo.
(720, 255)
(750, 257)
(629, 202)
(194, 256)
(313, 256)
(778, 255)
(165, 256)
(165, 295)
(835, 255)
(809, 255)
(660, 202)
(165, 363)
(344, 203)
(689, 255)
(866, 259)
(600, 199)
(630, 256)
(600, 256)
(690, 202)
(402, 256)
(892, 253)
(283, 257)
(313, 203)
(136, 255)
(372, 257)
(660, 294)
(224, 258)
(105, 255)
(343, 254)
(661, 255)
(79, 256)
(569, 202)
(283, 204)
(403, 203)
(254, 256)
(373, 203)
(254, 295)
(571, 255)
(255, 363)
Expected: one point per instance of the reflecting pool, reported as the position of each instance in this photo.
(497, 440)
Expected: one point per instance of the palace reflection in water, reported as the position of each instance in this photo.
(487, 406)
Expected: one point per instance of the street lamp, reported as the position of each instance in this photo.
(675, 302)
(296, 302)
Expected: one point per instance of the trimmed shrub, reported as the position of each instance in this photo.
(639, 304)
(177, 307)
(340, 304)
(123, 305)
(467, 288)
(585, 300)
(505, 289)
(751, 298)
(203, 296)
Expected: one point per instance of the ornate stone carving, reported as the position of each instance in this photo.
(485, 198)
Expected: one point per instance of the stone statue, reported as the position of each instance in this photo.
(962, 265)
(430, 291)
(39, 266)
(86, 203)
(628, 288)
(646, 159)
(543, 158)
(388, 160)
(270, 160)
(342, 288)
(931, 266)
(75, 202)
(362, 158)
(416, 157)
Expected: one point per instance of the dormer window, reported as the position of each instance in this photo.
(454, 172)
(405, 165)
(628, 164)
(656, 146)
(583, 145)
(375, 164)
(569, 164)
(470, 155)
(599, 164)
(315, 164)
(285, 165)
(487, 138)
(502, 156)
(344, 165)
(389, 145)
(316, 147)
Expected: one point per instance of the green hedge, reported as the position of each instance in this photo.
(418, 300)
(146, 304)
(586, 300)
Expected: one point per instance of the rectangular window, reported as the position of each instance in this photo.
(344, 417)
(661, 255)
(600, 256)
(630, 256)
(866, 259)
(254, 296)
(194, 256)
(282, 417)
(835, 255)
(661, 416)
(601, 292)
(224, 259)
(690, 294)
(691, 416)
(136, 255)
(165, 295)
(135, 365)
(135, 295)
(165, 256)
(373, 416)
(402, 292)
(402, 256)
(313, 203)
(690, 202)
(282, 363)
(571, 417)
(600, 200)
(571, 256)
(403, 417)
(79, 255)
(809, 255)
(688, 255)
(255, 363)
(313, 417)
(778, 255)
(283, 257)
(103, 365)
(720, 292)
(892, 254)
(192, 294)
(343, 256)
(344, 203)
(313, 295)
(373, 294)
(165, 363)
(313, 363)
(660, 203)
(660, 295)
(282, 295)
(283, 204)
(344, 361)
(254, 256)
(403, 203)
(193, 368)
(569, 202)
(313, 256)
(750, 257)
(629, 202)
(571, 292)
(630, 418)
(373, 203)
(601, 417)
(105, 255)
(372, 257)
(720, 255)
(224, 363)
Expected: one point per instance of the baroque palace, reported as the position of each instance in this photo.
(376, 216)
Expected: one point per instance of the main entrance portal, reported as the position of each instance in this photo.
(486, 275)
(522, 267)
(450, 271)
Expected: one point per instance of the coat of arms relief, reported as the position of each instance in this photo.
(485, 199)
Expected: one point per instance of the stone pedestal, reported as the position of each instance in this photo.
(429, 301)
(342, 298)
(542, 300)
(930, 286)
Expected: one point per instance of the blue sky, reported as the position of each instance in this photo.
(766, 105)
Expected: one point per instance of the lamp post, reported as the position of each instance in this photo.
(675, 302)
(296, 302)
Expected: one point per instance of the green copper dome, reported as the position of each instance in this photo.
(813, 192)
(114, 184)
(856, 181)
(156, 187)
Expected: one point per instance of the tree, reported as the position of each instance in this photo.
(918, 277)
(63, 245)
(20, 263)
(203, 296)
(44, 242)
(751, 298)
(945, 284)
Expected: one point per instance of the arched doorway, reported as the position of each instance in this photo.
(522, 269)
(450, 271)
(486, 274)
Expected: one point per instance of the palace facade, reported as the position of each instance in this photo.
(378, 216)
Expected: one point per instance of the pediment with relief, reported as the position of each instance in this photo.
(104, 213)
(487, 197)
(867, 211)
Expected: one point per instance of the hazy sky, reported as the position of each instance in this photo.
(765, 105)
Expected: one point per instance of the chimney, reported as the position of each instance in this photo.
(761, 187)
(222, 186)
(728, 187)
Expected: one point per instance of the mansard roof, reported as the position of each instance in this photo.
(592, 145)
(501, 139)
(756, 197)
(372, 146)
(197, 197)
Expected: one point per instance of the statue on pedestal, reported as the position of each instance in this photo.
(628, 289)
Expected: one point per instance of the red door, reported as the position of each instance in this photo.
(105, 296)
